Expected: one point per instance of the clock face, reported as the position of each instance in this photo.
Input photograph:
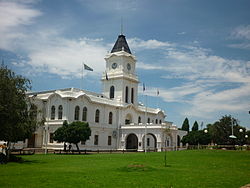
(128, 66)
(114, 65)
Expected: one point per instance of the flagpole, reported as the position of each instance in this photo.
(82, 76)
(157, 95)
(146, 124)
(145, 119)
(157, 103)
(85, 67)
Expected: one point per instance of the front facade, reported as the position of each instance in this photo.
(116, 118)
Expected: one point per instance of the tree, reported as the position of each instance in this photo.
(17, 113)
(222, 129)
(185, 125)
(197, 137)
(73, 133)
(60, 133)
(195, 126)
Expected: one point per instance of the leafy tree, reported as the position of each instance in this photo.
(18, 114)
(222, 129)
(60, 134)
(196, 137)
(185, 125)
(73, 133)
(195, 126)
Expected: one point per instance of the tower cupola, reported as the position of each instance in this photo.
(121, 45)
(119, 79)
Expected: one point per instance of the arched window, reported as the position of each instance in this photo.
(60, 112)
(77, 110)
(110, 117)
(112, 92)
(148, 120)
(156, 121)
(160, 122)
(139, 119)
(53, 112)
(97, 116)
(84, 114)
(126, 95)
(132, 95)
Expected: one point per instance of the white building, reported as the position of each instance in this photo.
(116, 118)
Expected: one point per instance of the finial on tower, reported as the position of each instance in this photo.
(121, 26)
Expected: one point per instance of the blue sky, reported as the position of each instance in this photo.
(196, 52)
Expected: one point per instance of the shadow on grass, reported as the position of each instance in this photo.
(70, 154)
(20, 160)
(136, 167)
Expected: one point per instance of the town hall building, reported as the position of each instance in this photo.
(116, 118)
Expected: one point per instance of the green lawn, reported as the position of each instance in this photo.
(192, 168)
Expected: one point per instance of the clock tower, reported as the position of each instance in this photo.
(120, 82)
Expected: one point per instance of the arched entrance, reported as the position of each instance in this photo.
(132, 142)
(151, 142)
(169, 141)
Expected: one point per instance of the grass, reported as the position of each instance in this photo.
(192, 168)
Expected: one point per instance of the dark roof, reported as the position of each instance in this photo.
(121, 44)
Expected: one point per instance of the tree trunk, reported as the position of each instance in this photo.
(78, 148)
(8, 151)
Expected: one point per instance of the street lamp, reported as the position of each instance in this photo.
(232, 136)
(241, 131)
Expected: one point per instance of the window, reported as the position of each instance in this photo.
(156, 121)
(148, 120)
(148, 141)
(97, 116)
(160, 122)
(126, 94)
(139, 119)
(109, 140)
(112, 92)
(77, 110)
(132, 95)
(51, 135)
(84, 114)
(53, 112)
(110, 117)
(96, 140)
(127, 121)
(60, 112)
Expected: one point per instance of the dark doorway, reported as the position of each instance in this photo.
(178, 140)
(31, 141)
(132, 142)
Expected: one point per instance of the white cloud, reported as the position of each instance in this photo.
(138, 44)
(14, 15)
(208, 103)
(210, 84)
(181, 33)
(64, 57)
(47, 50)
(142, 65)
(242, 32)
(240, 46)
